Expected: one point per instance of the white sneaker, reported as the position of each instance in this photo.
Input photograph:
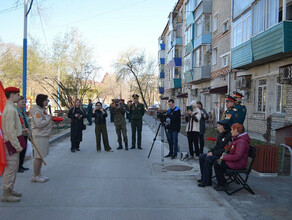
(45, 178)
(37, 179)
(196, 158)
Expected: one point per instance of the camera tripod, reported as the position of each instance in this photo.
(160, 127)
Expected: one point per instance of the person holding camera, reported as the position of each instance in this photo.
(204, 117)
(100, 127)
(118, 110)
(193, 128)
(77, 114)
(173, 125)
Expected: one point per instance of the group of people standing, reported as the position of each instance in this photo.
(16, 132)
(118, 110)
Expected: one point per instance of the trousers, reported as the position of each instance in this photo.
(10, 171)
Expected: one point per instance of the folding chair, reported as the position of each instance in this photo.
(236, 175)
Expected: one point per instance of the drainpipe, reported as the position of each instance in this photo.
(229, 82)
(284, 10)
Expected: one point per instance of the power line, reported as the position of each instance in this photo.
(14, 8)
(41, 22)
(103, 13)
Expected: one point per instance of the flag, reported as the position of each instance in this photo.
(2, 150)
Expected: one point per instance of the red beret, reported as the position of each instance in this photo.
(12, 90)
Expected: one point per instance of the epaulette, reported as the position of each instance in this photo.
(234, 109)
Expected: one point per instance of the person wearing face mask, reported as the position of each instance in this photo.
(100, 116)
(77, 114)
(41, 126)
(193, 129)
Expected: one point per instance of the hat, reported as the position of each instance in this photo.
(230, 98)
(224, 123)
(12, 90)
(135, 96)
(237, 95)
(194, 103)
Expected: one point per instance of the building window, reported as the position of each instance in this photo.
(281, 97)
(188, 63)
(214, 56)
(262, 95)
(224, 61)
(203, 25)
(215, 22)
(225, 26)
(190, 7)
(272, 13)
(189, 34)
(258, 14)
(197, 58)
(242, 29)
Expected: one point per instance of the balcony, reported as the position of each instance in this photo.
(162, 46)
(161, 90)
(161, 75)
(175, 62)
(161, 61)
(205, 38)
(272, 44)
(178, 21)
(177, 41)
(175, 83)
(198, 75)
(189, 47)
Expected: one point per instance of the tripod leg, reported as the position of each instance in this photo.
(154, 140)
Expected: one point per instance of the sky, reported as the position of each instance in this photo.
(109, 26)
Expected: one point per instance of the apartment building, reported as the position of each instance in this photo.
(221, 46)
(261, 60)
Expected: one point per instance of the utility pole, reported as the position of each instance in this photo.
(24, 75)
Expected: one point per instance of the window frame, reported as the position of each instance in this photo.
(264, 96)
(214, 56)
(281, 106)
(223, 25)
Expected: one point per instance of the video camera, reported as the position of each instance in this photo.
(161, 116)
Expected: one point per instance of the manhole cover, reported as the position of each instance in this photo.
(178, 168)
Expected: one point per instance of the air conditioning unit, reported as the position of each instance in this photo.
(246, 94)
(243, 82)
(285, 74)
(194, 92)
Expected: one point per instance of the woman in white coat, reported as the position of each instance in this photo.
(193, 129)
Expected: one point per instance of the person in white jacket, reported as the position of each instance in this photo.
(193, 129)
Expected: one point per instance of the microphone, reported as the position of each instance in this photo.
(50, 110)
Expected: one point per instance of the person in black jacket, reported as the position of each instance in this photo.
(173, 124)
(100, 127)
(207, 160)
(77, 114)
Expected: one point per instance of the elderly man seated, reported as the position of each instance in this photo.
(207, 160)
(236, 158)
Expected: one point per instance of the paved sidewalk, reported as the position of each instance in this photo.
(273, 195)
(119, 185)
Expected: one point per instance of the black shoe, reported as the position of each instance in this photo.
(173, 157)
(24, 168)
(20, 170)
(168, 155)
(72, 150)
(203, 184)
(120, 148)
(77, 149)
(221, 188)
(140, 148)
(200, 180)
(132, 147)
(126, 146)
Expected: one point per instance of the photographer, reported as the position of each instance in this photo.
(204, 117)
(118, 110)
(100, 127)
(193, 128)
(173, 124)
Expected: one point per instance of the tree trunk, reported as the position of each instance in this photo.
(140, 89)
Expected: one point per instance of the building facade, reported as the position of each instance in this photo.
(222, 46)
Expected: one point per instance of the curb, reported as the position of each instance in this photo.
(64, 135)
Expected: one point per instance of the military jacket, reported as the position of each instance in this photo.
(241, 112)
(137, 112)
(231, 115)
(119, 114)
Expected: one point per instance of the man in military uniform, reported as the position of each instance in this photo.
(129, 104)
(137, 111)
(231, 114)
(111, 112)
(241, 109)
(118, 110)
